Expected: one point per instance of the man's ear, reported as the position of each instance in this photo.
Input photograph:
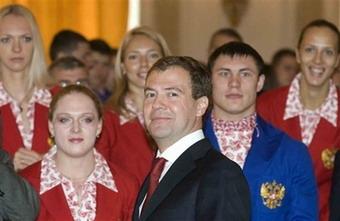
(260, 82)
(202, 105)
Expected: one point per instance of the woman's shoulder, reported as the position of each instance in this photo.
(123, 178)
(32, 174)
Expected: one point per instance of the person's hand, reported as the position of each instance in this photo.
(25, 157)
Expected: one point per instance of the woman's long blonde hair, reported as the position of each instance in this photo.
(37, 72)
(116, 102)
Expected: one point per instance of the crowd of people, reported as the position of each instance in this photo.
(136, 133)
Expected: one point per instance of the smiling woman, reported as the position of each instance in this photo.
(75, 182)
(140, 49)
(309, 108)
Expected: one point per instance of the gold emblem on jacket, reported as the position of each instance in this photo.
(272, 194)
(327, 157)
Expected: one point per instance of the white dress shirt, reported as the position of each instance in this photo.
(173, 152)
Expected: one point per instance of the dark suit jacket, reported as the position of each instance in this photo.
(201, 185)
(335, 191)
(18, 200)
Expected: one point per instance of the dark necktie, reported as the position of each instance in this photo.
(157, 168)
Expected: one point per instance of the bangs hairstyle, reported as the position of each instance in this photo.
(37, 73)
(236, 49)
(120, 82)
(320, 23)
(75, 89)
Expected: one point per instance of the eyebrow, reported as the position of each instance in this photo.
(166, 89)
(68, 114)
(228, 69)
(174, 89)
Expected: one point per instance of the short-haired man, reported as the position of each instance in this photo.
(70, 43)
(69, 70)
(278, 169)
(18, 200)
(221, 37)
(195, 182)
(101, 55)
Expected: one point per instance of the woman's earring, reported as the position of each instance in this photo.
(50, 141)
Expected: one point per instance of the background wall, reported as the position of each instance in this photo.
(93, 18)
(266, 24)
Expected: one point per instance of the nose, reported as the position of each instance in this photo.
(16, 47)
(317, 57)
(234, 81)
(75, 127)
(144, 61)
(158, 102)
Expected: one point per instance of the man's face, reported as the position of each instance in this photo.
(99, 71)
(83, 53)
(235, 83)
(170, 111)
(72, 76)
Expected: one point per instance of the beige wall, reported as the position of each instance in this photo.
(266, 24)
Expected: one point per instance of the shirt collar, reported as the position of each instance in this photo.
(175, 151)
(51, 177)
(294, 107)
(41, 96)
(246, 124)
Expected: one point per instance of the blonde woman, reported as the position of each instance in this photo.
(140, 49)
(24, 100)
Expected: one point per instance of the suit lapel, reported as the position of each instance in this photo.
(140, 198)
(55, 203)
(178, 171)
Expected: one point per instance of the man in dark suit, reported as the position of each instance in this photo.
(18, 200)
(195, 182)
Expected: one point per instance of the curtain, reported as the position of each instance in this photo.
(106, 19)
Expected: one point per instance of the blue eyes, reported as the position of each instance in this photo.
(4, 40)
(135, 56)
(68, 121)
(8, 39)
(27, 39)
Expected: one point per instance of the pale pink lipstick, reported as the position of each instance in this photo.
(75, 140)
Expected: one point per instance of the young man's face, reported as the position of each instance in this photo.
(99, 71)
(236, 82)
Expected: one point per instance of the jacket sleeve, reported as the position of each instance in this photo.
(305, 201)
(224, 196)
(18, 200)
